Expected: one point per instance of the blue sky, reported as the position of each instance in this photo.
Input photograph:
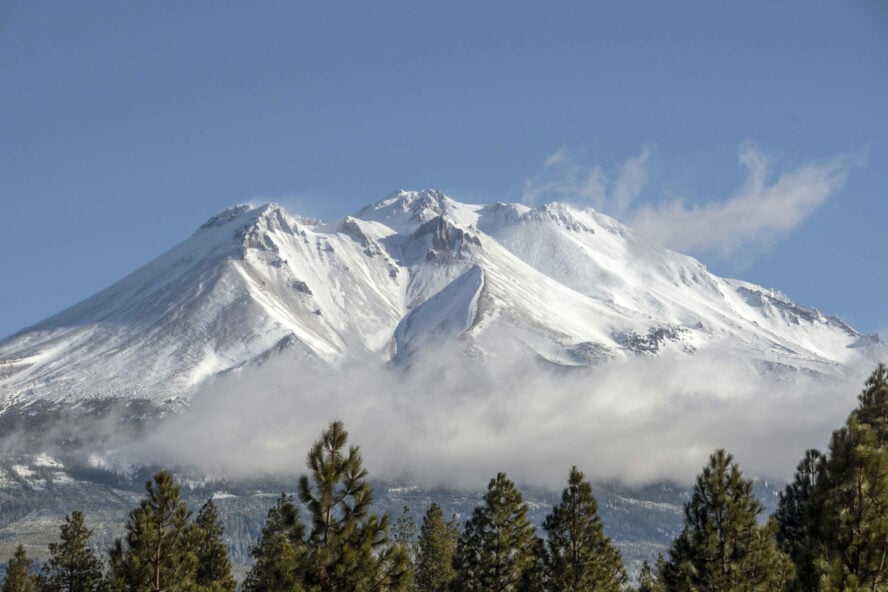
(753, 135)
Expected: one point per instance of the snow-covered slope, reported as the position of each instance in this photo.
(414, 271)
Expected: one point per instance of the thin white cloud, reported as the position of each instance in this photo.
(764, 209)
(756, 215)
(630, 182)
(563, 179)
(556, 158)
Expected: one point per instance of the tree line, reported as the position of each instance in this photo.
(829, 533)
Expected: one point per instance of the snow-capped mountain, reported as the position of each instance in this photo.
(415, 271)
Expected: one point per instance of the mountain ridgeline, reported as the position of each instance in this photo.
(554, 285)
(554, 290)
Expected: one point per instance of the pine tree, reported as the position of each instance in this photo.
(793, 518)
(404, 536)
(280, 552)
(872, 408)
(437, 544)
(498, 543)
(536, 577)
(579, 555)
(648, 580)
(213, 565)
(72, 566)
(160, 551)
(404, 533)
(848, 506)
(850, 511)
(348, 548)
(19, 574)
(722, 548)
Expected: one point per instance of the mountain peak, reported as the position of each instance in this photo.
(565, 215)
(246, 218)
(552, 282)
(226, 216)
(405, 211)
(418, 200)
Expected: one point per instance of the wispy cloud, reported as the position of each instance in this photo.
(630, 182)
(758, 214)
(765, 208)
(563, 179)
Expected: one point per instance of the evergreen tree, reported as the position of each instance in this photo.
(72, 566)
(722, 548)
(579, 555)
(19, 574)
(116, 577)
(348, 548)
(849, 513)
(160, 551)
(498, 544)
(213, 565)
(648, 580)
(794, 522)
(872, 408)
(404, 533)
(280, 552)
(536, 577)
(437, 544)
(404, 536)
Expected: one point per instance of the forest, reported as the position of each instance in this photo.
(829, 533)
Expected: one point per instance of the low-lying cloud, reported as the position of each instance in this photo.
(456, 423)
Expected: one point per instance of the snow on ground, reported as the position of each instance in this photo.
(410, 272)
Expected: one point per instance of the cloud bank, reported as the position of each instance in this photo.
(454, 423)
(764, 209)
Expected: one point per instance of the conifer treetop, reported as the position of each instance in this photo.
(872, 408)
(347, 548)
(72, 566)
(337, 488)
(19, 574)
(498, 547)
(579, 555)
(722, 547)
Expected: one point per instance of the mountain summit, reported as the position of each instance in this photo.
(416, 271)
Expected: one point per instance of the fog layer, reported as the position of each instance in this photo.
(452, 422)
